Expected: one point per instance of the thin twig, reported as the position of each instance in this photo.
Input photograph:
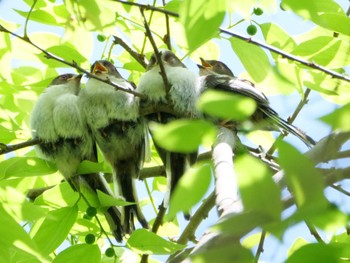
(139, 58)
(71, 64)
(27, 19)
(197, 218)
(291, 119)
(10, 148)
(156, 52)
(260, 246)
(340, 189)
(148, 7)
(167, 38)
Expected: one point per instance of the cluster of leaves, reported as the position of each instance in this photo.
(35, 230)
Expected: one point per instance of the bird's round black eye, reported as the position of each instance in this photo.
(152, 61)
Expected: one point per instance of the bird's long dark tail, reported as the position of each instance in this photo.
(125, 173)
(92, 183)
(287, 127)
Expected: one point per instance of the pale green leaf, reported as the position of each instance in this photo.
(223, 252)
(183, 136)
(55, 228)
(79, 253)
(226, 105)
(326, 13)
(14, 237)
(107, 200)
(339, 119)
(201, 20)
(25, 166)
(193, 184)
(300, 174)
(145, 242)
(254, 183)
(60, 195)
(253, 58)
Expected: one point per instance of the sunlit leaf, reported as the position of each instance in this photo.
(300, 175)
(193, 184)
(25, 166)
(254, 183)
(223, 251)
(339, 119)
(60, 195)
(249, 55)
(326, 13)
(107, 200)
(13, 236)
(320, 252)
(55, 228)
(145, 242)
(79, 253)
(183, 135)
(201, 20)
(225, 105)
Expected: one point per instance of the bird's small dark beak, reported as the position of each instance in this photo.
(99, 68)
(205, 64)
(76, 77)
(200, 66)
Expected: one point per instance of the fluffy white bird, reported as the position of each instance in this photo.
(65, 139)
(113, 116)
(184, 90)
(217, 76)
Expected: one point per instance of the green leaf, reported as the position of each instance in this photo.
(325, 50)
(225, 251)
(159, 184)
(193, 184)
(67, 52)
(225, 105)
(326, 13)
(6, 136)
(143, 241)
(300, 174)
(88, 167)
(320, 253)
(55, 228)
(79, 253)
(107, 200)
(254, 183)
(276, 36)
(249, 54)
(25, 166)
(18, 206)
(339, 119)
(201, 20)
(40, 16)
(241, 224)
(183, 136)
(60, 195)
(13, 236)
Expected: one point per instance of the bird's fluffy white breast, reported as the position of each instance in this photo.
(101, 102)
(151, 84)
(184, 87)
(45, 116)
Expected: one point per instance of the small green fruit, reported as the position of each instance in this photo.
(110, 252)
(91, 211)
(251, 30)
(90, 239)
(258, 11)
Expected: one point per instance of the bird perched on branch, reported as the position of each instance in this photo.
(181, 95)
(218, 76)
(65, 139)
(113, 116)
